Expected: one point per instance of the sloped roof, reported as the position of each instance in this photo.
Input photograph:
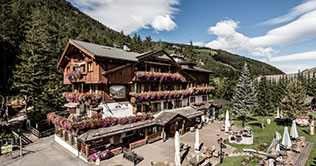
(188, 112)
(197, 69)
(96, 134)
(165, 117)
(107, 52)
(162, 119)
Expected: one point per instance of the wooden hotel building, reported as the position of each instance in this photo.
(126, 99)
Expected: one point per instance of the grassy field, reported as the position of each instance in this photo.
(265, 136)
(205, 52)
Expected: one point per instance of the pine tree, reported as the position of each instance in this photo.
(148, 44)
(246, 96)
(32, 73)
(294, 101)
(189, 53)
(265, 104)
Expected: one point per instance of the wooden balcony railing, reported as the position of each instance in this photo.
(157, 76)
(158, 95)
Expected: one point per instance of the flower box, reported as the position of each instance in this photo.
(116, 151)
(154, 139)
(137, 144)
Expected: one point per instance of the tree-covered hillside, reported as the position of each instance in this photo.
(60, 21)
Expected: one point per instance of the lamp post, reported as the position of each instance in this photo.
(222, 146)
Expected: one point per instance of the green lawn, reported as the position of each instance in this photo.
(266, 135)
(205, 52)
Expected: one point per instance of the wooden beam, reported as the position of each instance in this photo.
(157, 63)
(115, 69)
(87, 150)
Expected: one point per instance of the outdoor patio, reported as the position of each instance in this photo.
(164, 151)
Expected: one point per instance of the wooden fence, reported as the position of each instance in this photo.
(41, 134)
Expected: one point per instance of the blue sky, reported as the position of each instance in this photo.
(281, 33)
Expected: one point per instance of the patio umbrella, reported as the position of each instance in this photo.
(227, 124)
(277, 151)
(286, 141)
(177, 158)
(278, 113)
(277, 148)
(197, 144)
(294, 133)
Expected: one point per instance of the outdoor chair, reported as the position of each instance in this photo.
(153, 162)
(302, 140)
(297, 147)
(188, 158)
(216, 154)
(222, 128)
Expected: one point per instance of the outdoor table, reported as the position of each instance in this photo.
(160, 164)
(197, 160)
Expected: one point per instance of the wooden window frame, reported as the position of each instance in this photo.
(90, 67)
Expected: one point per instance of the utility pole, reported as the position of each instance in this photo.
(221, 146)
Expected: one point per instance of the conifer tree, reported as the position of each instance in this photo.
(246, 95)
(32, 73)
(265, 105)
(189, 52)
(294, 101)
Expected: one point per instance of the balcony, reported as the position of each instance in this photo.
(157, 76)
(74, 76)
(83, 98)
(163, 95)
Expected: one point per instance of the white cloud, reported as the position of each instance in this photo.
(231, 40)
(161, 23)
(294, 68)
(131, 15)
(304, 56)
(305, 7)
(303, 28)
(198, 43)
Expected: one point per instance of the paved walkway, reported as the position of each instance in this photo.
(161, 151)
(46, 152)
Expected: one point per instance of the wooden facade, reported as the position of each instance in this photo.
(97, 72)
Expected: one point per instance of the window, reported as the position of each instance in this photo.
(139, 108)
(138, 88)
(77, 68)
(83, 69)
(155, 69)
(90, 67)
(163, 87)
(165, 105)
(192, 99)
(155, 107)
(204, 98)
(153, 87)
